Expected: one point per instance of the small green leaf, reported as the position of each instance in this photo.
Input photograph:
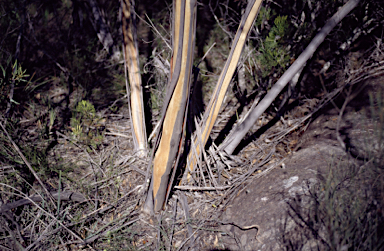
(13, 101)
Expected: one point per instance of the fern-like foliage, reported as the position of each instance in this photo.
(87, 127)
(274, 55)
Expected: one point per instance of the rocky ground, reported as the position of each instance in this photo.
(262, 210)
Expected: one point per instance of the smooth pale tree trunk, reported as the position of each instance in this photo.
(133, 80)
(233, 140)
(169, 140)
(218, 96)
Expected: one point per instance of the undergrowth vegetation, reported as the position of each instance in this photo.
(86, 125)
(274, 56)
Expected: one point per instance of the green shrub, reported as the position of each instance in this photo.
(273, 54)
(87, 127)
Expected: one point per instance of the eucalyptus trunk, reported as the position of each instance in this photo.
(170, 137)
(133, 77)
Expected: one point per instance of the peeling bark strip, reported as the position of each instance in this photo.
(169, 140)
(134, 87)
(226, 75)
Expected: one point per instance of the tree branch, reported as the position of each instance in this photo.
(233, 140)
